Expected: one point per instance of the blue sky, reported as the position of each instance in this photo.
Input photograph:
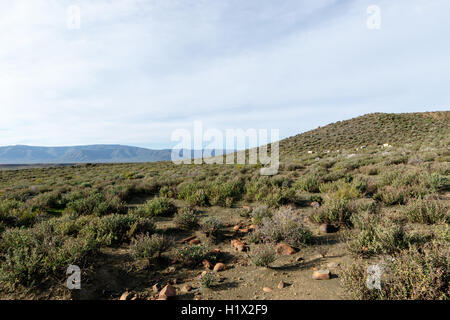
(137, 70)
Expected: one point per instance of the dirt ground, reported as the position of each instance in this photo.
(114, 271)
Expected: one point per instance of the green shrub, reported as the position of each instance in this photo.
(438, 183)
(308, 183)
(259, 213)
(376, 236)
(263, 255)
(187, 218)
(211, 226)
(334, 211)
(192, 255)
(30, 255)
(427, 211)
(391, 196)
(155, 207)
(146, 246)
(110, 230)
(285, 225)
(413, 274)
(207, 280)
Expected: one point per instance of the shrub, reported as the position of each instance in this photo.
(427, 211)
(207, 280)
(376, 235)
(259, 213)
(413, 274)
(308, 183)
(192, 255)
(95, 204)
(211, 226)
(110, 230)
(155, 207)
(29, 255)
(186, 218)
(390, 195)
(334, 211)
(146, 246)
(263, 255)
(438, 182)
(285, 225)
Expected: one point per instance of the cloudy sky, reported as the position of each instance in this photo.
(136, 70)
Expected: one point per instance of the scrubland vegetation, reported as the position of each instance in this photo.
(390, 206)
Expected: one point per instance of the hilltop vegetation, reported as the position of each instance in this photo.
(382, 202)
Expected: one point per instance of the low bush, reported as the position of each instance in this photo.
(263, 255)
(413, 274)
(155, 207)
(145, 246)
(285, 225)
(427, 211)
(187, 218)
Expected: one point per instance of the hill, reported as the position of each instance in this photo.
(373, 129)
(80, 154)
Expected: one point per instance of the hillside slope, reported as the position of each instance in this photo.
(373, 129)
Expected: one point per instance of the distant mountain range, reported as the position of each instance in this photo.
(80, 154)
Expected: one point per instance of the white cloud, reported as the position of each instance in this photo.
(136, 70)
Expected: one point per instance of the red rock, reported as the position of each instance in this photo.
(194, 241)
(236, 228)
(187, 239)
(207, 264)
(238, 245)
(284, 249)
(267, 289)
(321, 275)
(245, 230)
(168, 292)
(219, 267)
(253, 227)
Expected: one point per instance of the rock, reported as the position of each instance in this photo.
(321, 275)
(168, 292)
(238, 245)
(236, 228)
(216, 251)
(194, 241)
(327, 228)
(298, 259)
(315, 204)
(267, 289)
(187, 239)
(219, 267)
(281, 285)
(126, 296)
(208, 265)
(245, 230)
(187, 288)
(247, 208)
(134, 298)
(284, 249)
(253, 227)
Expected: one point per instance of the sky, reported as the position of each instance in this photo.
(133, 71)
